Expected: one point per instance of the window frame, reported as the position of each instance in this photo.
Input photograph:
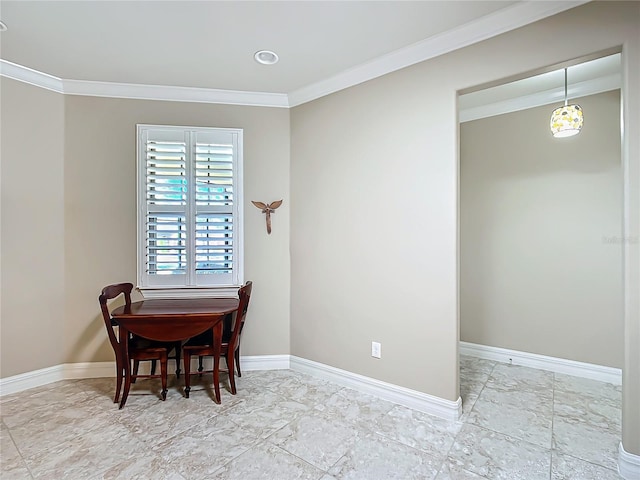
(184, 289)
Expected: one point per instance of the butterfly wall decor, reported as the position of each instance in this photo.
(268, 209)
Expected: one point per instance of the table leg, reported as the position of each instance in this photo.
(217, 347)
(126, 363)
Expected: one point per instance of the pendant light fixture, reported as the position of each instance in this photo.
(566, 121)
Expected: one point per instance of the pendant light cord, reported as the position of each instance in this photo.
(566, 102)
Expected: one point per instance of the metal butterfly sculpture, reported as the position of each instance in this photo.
(268, 209)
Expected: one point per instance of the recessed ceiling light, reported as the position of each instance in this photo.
(3, 27)
(266, 57)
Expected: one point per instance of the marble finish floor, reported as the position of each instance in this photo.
(517, 423)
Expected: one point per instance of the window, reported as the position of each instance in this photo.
(189, 208)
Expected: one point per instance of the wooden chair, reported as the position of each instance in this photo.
(140, 349)
(202, 345)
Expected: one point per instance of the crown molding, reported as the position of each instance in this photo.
(516, 16)
(175, 94)
(30, 76)
(538, 99)
(140, 92)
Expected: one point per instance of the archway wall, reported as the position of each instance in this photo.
(374, 205)
(541, 234)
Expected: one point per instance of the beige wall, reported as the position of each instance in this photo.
(100, 221)
(86, 233)
(32, 318)
(541, 234)
(375, 198)
(374, 232)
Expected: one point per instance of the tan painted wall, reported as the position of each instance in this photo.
(375, 199)
(100, 208)
(374, 232)
(86, 236)
(541, 234)
(32, 321)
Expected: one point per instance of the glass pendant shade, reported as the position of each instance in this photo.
(566, 120)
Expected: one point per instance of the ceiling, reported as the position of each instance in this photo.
(323, 46)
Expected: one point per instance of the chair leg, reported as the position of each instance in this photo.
(153, 367)
(200, 367)
(178, 347)
(237, 356)
(134, 375)
(163, 376)
(230, 369)
(127, 384)
(119, 377)
(187, 373)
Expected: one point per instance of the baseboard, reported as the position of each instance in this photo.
(265, 362)
(254, 362)
(69, 371)
(423, 402)
(628, 464)
(552, 364)
(44, 376)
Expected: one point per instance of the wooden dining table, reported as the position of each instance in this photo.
(172, 320)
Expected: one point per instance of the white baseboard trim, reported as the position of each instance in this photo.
(628, 464)
(70, 371)
(247, 364)
(552, 364)
(44, 376)
(423, 402)
(265, 362)
(27, 380)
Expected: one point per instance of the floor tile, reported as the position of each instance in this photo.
(507, 377)
(516, 423)
(355, 407)
(586, 442)
(8, 449)
(588, 401)
(266, 413)
(143, 467)
(376, 457)
(469, 392)
(523, 415)
(565, 467)
(199, 452)
(585, 387)
(39, 404)
(14, 469)
(267, 461)
(499, 457)
(305, 389)
(450, 471)
(86, 455)
(161, 421)
(476, 369)
(419, 430)
(60, 424)
(317, 438)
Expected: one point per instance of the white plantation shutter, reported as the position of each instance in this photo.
(214, 204)
(188, 184)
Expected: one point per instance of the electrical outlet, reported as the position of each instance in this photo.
(376, 350)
